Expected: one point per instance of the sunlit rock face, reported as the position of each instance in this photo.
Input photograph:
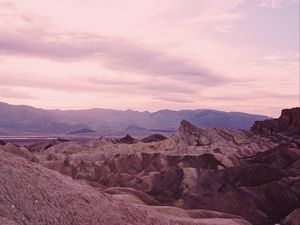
(196, 176)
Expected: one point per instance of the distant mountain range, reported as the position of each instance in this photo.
(27, 120)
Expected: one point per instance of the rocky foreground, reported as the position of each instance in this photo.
(196, 176)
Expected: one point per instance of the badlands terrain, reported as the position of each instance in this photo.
(197, 176)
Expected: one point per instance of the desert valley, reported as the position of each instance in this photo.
(149, 112)
(195, 176)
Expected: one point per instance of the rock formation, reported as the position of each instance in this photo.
(288, 123)
(196, 176)
(33, 195)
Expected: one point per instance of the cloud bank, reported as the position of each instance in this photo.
(148, 55)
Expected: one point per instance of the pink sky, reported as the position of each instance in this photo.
(232, 55)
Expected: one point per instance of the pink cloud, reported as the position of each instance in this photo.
(115, 53)
(11, 93)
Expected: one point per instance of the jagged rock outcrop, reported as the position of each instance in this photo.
(193, 135)
(291, 117)
(288, 123)
(228, 145)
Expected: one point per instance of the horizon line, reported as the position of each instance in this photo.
(140, 111)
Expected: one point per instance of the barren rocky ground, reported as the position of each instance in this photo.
(196, 176)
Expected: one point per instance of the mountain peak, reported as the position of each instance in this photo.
(186, 126)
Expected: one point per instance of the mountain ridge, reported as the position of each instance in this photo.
(23, 119)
